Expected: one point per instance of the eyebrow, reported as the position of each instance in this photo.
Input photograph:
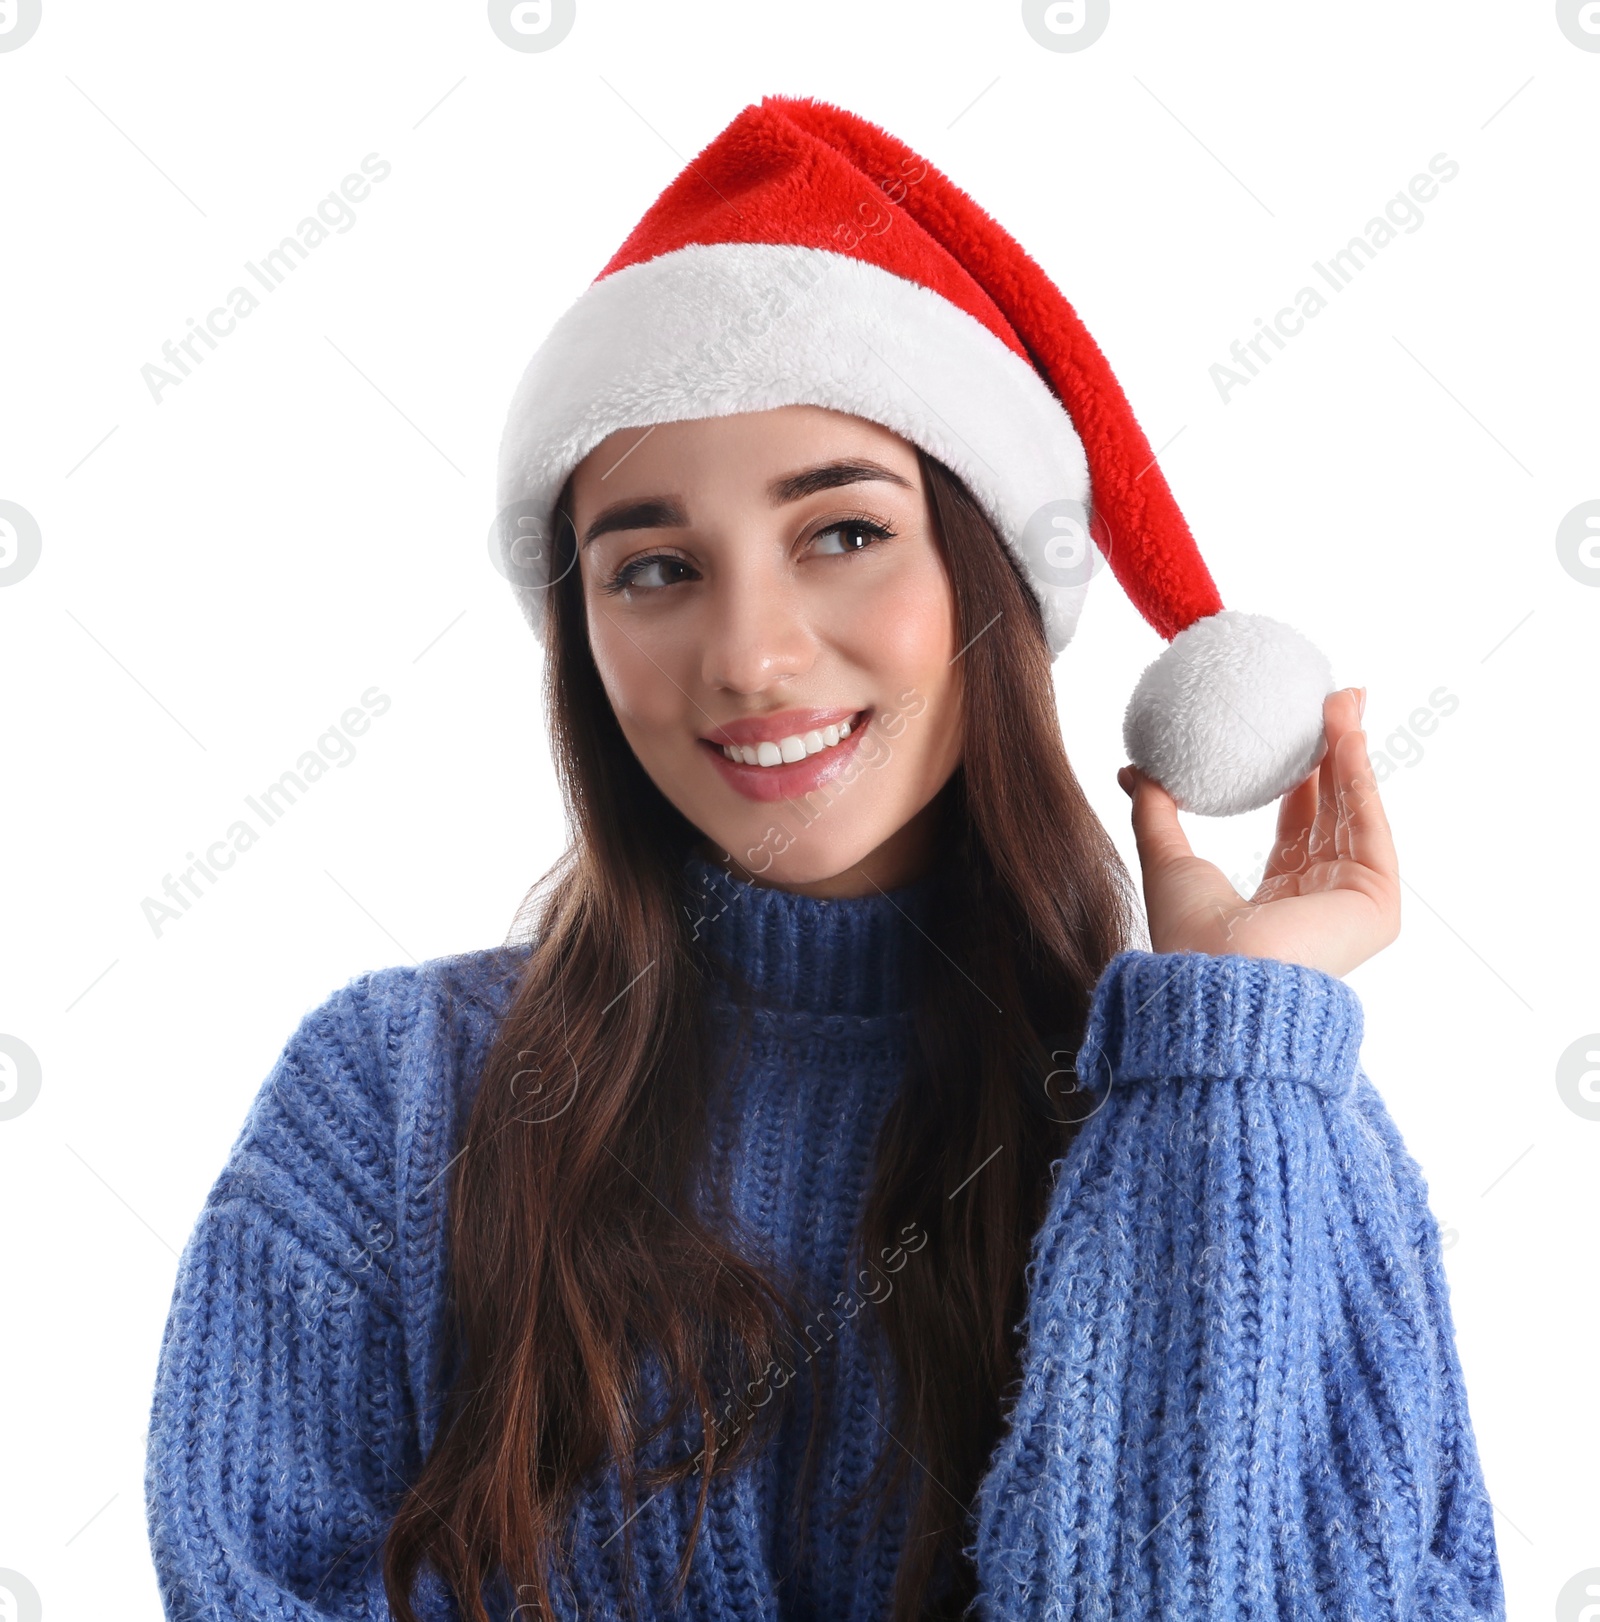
(829, 476)
(661, 512)
(654, 513)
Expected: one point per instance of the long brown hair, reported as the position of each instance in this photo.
(593, 1308)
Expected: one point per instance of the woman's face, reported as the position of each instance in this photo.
(771, 583)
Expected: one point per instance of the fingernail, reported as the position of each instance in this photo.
(1362, 699)
(1125, 779)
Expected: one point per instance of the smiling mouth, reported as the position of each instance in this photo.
(797, 746)
(793, 765)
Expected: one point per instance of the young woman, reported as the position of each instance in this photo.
(821, 1209)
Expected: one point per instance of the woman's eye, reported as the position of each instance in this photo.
(659, 569)
(853, 535)
(649, 573)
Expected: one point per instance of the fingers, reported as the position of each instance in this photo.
(1296, 813)
(1156, 831)
(1341, 714)
(1364, 834)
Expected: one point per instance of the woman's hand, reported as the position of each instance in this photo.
(1330, 896)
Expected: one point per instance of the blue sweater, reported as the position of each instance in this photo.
(1240, 1395)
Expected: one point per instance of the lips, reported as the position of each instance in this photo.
(757, 729)
(805, 760)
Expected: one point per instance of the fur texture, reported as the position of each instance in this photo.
(1230, 716)
(806, 256)
(712, 330)
(793, 169)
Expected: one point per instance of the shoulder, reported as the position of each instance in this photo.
(384, 1032)
(368, 1086)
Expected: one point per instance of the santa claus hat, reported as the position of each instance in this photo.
(807, 257)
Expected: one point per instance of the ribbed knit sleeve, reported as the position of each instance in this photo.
(1240, 1395)
(280, 1428)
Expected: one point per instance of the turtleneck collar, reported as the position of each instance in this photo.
(858, 956)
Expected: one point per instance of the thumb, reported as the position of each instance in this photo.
(1156, 831)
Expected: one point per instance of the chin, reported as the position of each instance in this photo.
(786, 851)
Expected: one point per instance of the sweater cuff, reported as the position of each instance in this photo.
(1165, 1015)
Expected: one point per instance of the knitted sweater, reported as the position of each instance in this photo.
(1240, 1396)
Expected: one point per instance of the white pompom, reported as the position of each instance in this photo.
(1230, 716)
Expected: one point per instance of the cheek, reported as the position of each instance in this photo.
(902, 626)
(644, 692)
(903, 633)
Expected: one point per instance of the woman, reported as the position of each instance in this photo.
(819, 1210)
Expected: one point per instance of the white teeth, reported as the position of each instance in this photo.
(784, 751)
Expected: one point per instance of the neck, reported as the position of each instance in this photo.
(801, 956)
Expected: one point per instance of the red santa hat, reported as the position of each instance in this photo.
(807, 257)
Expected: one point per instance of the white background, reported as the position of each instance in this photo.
(305, 517)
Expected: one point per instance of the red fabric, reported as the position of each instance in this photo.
(767, 179)
(799, 171)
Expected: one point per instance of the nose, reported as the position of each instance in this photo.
(755, 635)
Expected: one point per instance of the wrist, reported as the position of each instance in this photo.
(1167, 1015)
